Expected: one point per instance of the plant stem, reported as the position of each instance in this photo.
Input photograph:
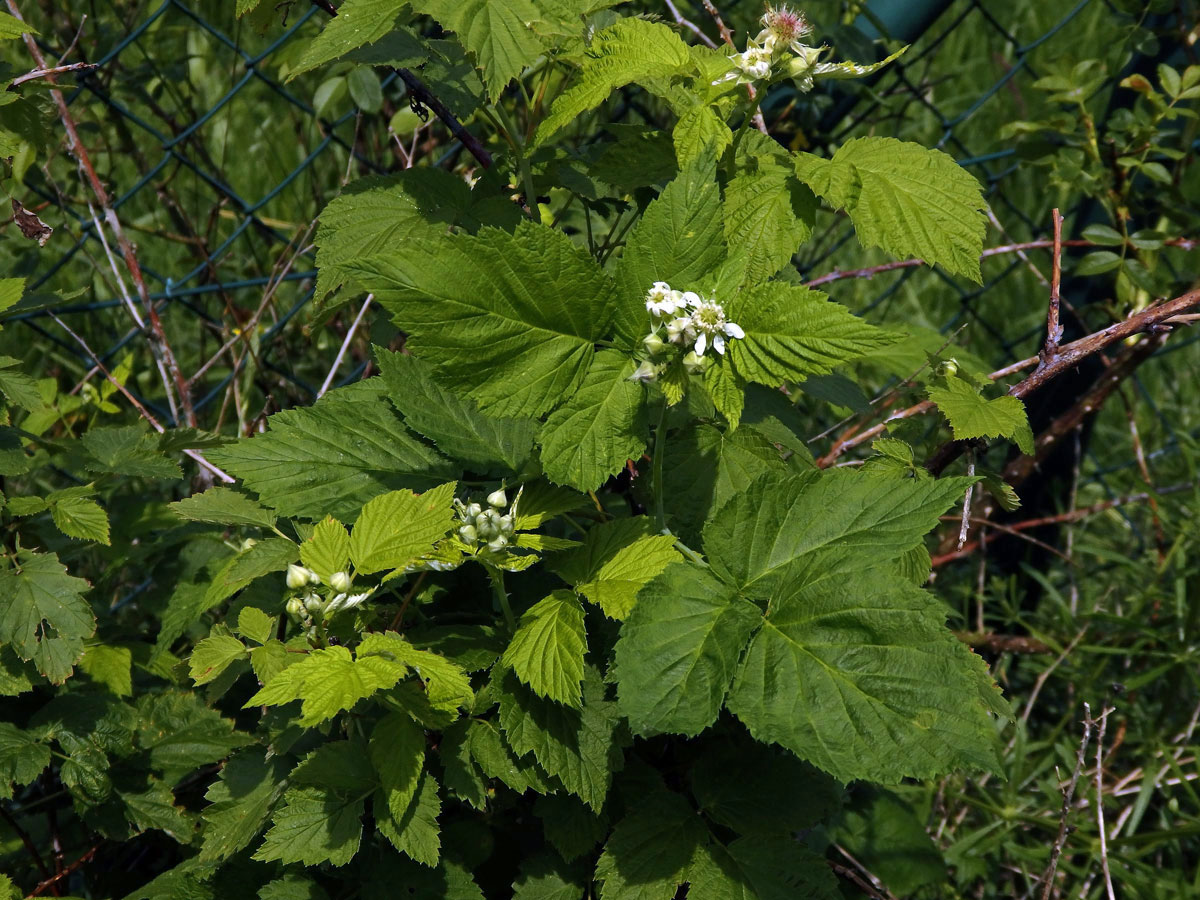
(518, 144)
(660, 442)
(497, 579)
(731, 153)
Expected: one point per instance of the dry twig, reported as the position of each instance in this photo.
(1065, 813)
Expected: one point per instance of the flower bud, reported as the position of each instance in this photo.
(473, 510)
(467, 534)
(488, 524)
(645, 373)
(506, 526)
(694, 364)
(498, 543)
(295, 609)
(297, 576)
(340, 582)
(314, 604)
(498, 499)
(313, 577)
(950, 367)
(247, 544)
(654, 344)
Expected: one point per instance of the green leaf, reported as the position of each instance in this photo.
(599, 429)
(332, 458)
(452, 422)
(375, 213)
(223, 506)
(698, 130)
(358, 22)
(313, 826)
(577, 746)
(262, 558)
(447, 686)
(22, 758)
(547, 650)
(44, 616)
(214, 655)
(337, 765)
(821, 526)
(416, 833)
(905, 198)
(859, 676)
(544, 877)
(887, 836)
(497, 760)
(793, 332)
(727, 390)
(109, 665)
(679, 240)
(631, 50)
(768, 215)
(971, 416)
(329, 681)
(255, 624)
(81, 518)
(292, 887)
(615, 578)
(495, 32)
(397, 751)
(508, 319)
(678, 651)
(180, 733)
(461, 774)
(240, 802)
(570, 827)
(648, 855)
(18, 388)
(327, 549)
(396, 528)
(128, 450)
(762, 868)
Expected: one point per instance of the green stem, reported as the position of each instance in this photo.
(660, 450)
(497, 579)
(731, 153)
(518, 145)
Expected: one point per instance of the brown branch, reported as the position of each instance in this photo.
(1003, 643)
(54, 879)
(1053, 325)
(159, 344)
(30, 846)
(52, 71)
(690, 25)
(1065, 813)
(726, 33)
(425, 97)
(1065, 358)
(869, 272)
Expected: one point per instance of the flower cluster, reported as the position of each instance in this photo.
(688, 320)
(782, 31)
(491, 527)
(307, 605)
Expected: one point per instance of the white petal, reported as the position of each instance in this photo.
(719, 344)
(701, 344)
(734, 330)
(662, 286)
(691, 298)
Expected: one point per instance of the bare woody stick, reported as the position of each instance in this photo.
(1065, 813)
(157, 337)
(419, 92)
(1054, 328)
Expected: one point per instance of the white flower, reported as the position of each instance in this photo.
(752, 65)
(661, 300)
(645, 373)
(709, 324)
(783, 27)
(680, 330)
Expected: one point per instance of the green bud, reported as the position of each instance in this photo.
(295, 609)
(498, 543)
(468, 535)
(498, 499)
(314, 604)
(506, 526)
(695, 364)
(473, 510)
(654, 344)
(247, 544)
(949, 368)
(297, 576)
(340, 582)
(488, 524)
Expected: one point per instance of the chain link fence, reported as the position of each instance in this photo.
(218, 168)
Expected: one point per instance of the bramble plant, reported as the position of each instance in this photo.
(559, 601)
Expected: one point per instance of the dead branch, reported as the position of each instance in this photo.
(1065, 813)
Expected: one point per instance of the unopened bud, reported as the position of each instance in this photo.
(654, 344)
(297, 576)
(295, 609)
(694, 364)
(498, 543)
(468, 535)
(248, 543)
(488, 524)
(645, 373)
(950, 367)
(498, 499)
(473, 510)
(314, 604)
(340, 582)
(506, 526)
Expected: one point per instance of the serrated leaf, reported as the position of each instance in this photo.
(327, 549)
(859, 676)
(905, 198)
(396, 528)
(222, 506)
(22, 758)
(397, 751)
(44, 616)
(331, 458)
(262, 558)
(599, 429)
(679, 240)
(678, 650)
(213, 655)
(886, 834)
(357, 22)
(240, 802)
(547, 650)
(337, 765)
(544, 877)
(452, 422)
(496, 33)
(768, 215)
(255, 624)
(313, 826)
(447, 686)
(79, 517)
(762, 868)
(821, 526)
(181, 733)
(497, 760)
(614, 584)
(508, 319)
(576, 746)
(648, 854)
(972, 416)
(698, 130)
(129, 450)
(630, 50)
(793, 332)
(461, 774)
(329, 681)
(292, 887)
(109, 665)
(416, 833)
(18, 388)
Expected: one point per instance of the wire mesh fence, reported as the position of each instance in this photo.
(218, 167)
